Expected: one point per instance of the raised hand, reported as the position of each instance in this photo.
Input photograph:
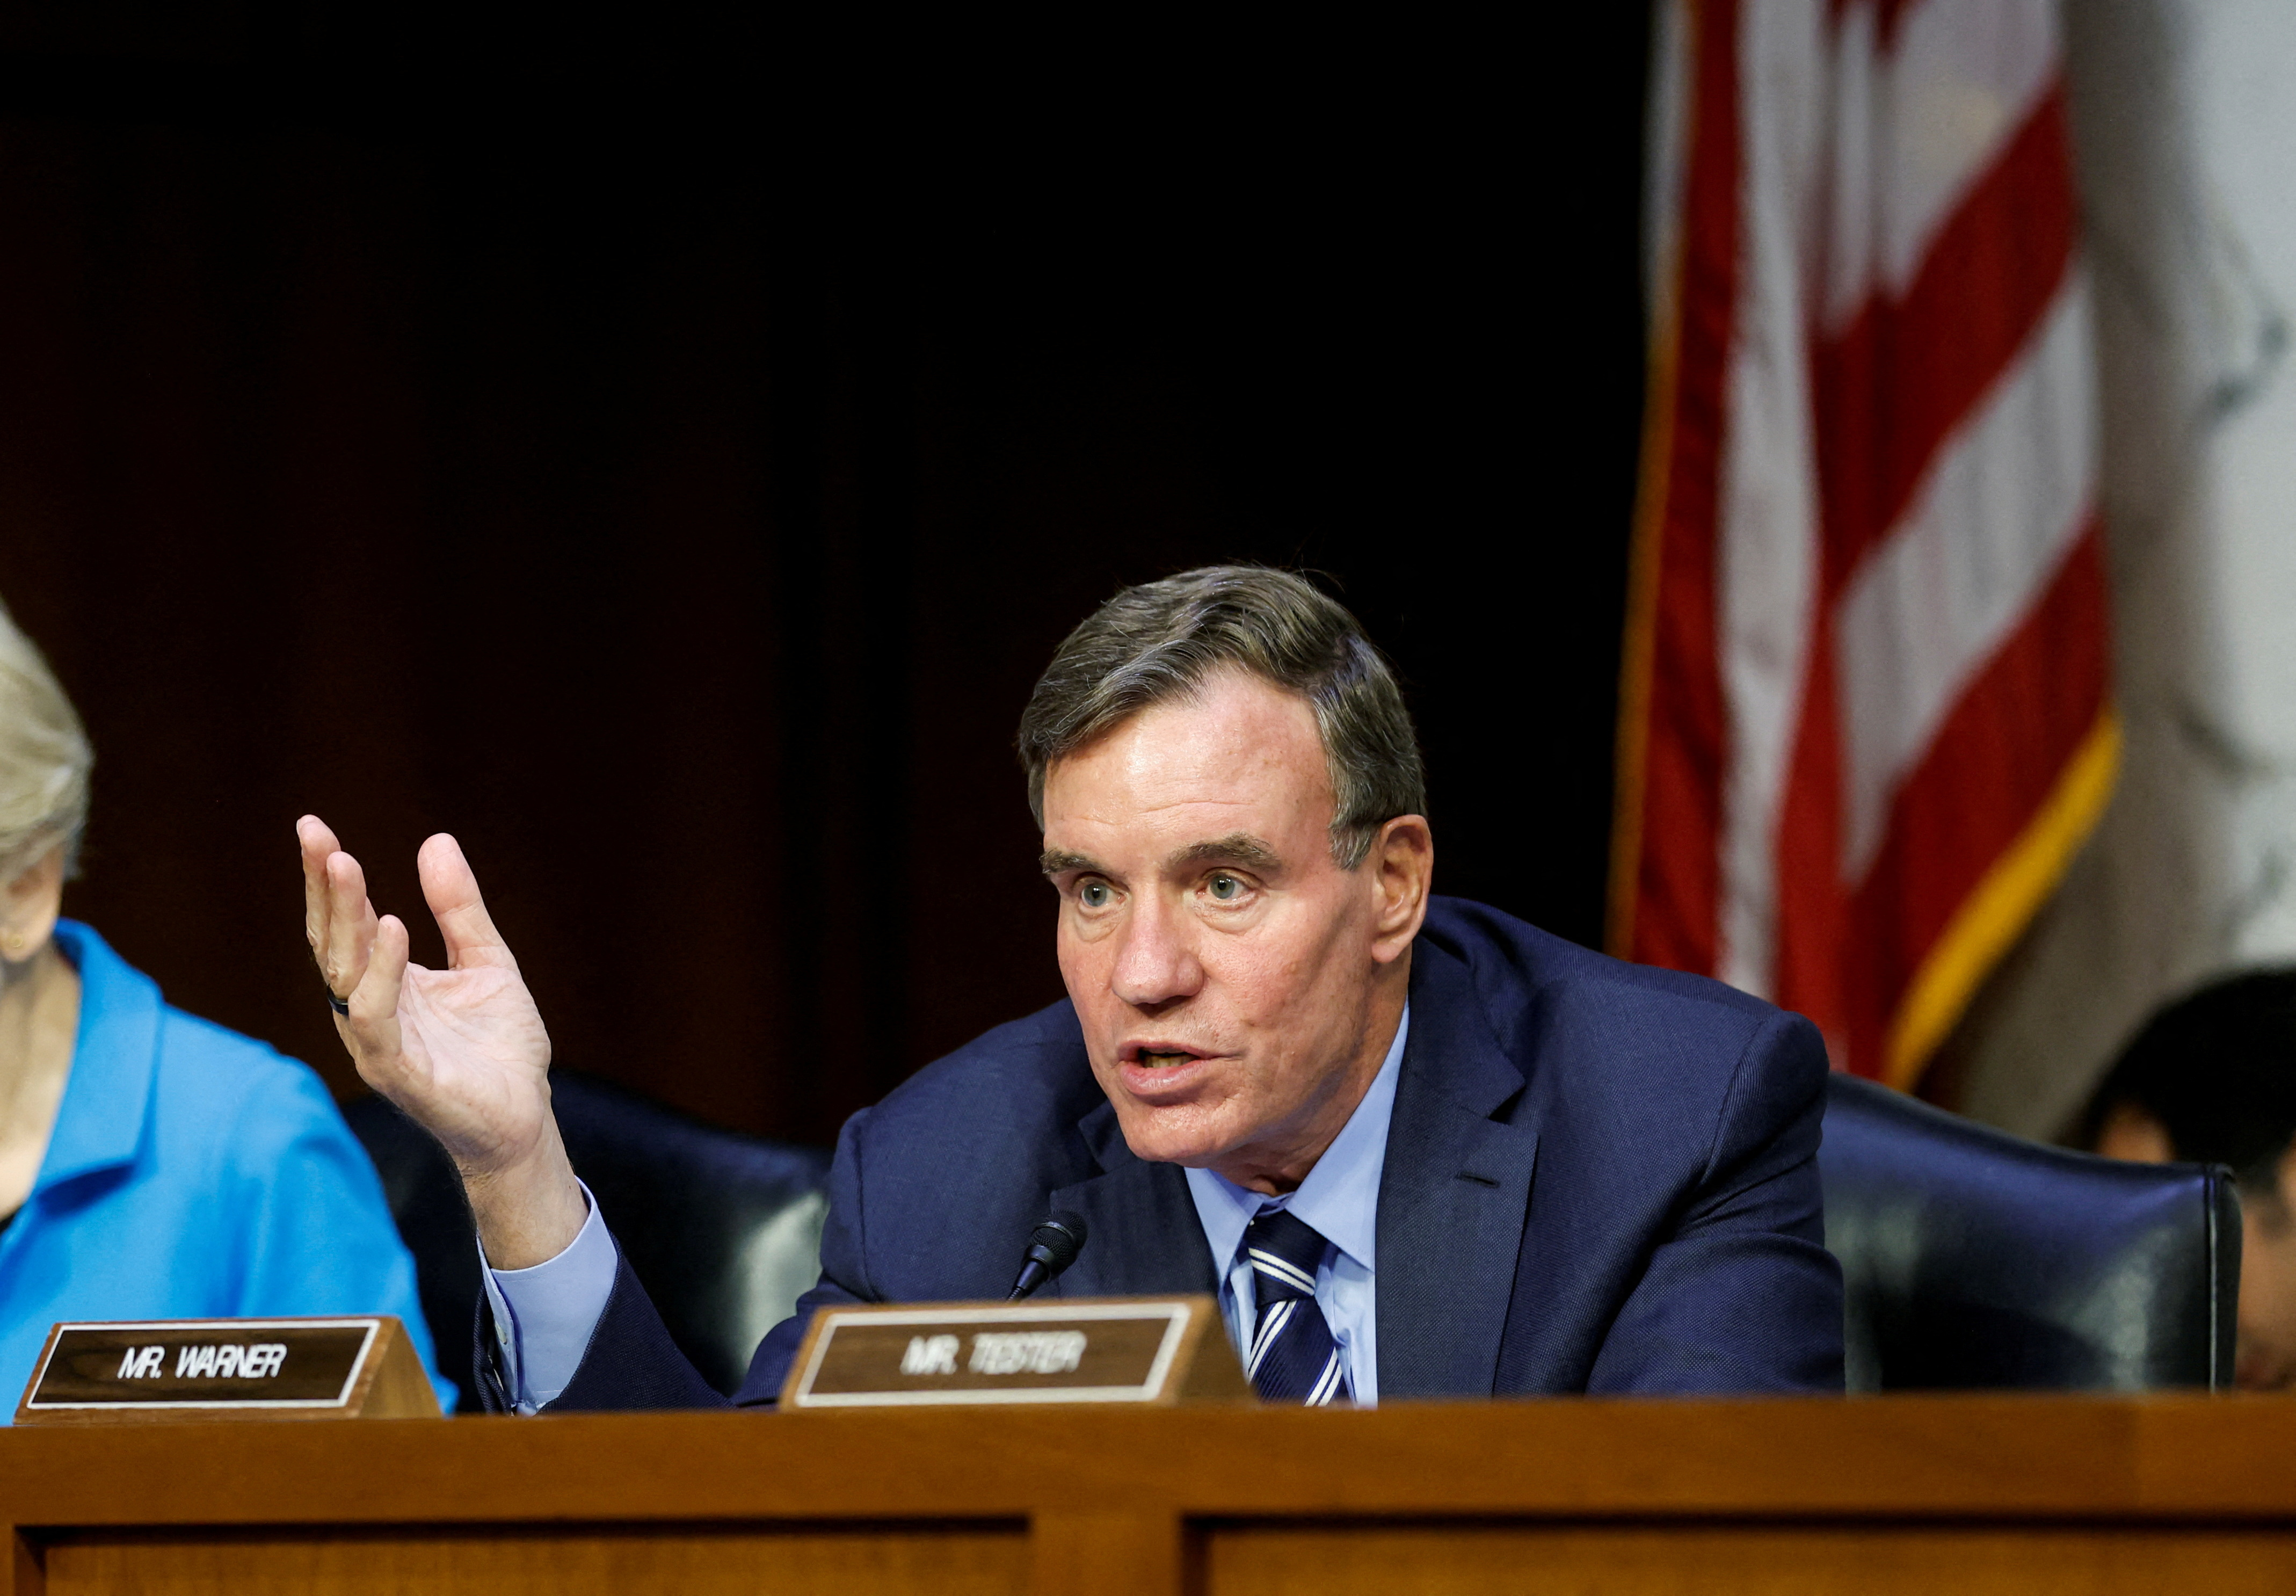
(462, 1049)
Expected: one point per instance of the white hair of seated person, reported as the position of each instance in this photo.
(45, 760)
(45, 763)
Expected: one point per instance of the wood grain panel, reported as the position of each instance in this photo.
(1951, 1457)
(1109, 1553)
(973, 1560)
(1771, 1560)
(1896, 1493)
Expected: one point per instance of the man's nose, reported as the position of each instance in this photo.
(1156, 962)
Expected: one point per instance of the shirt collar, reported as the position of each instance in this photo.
(115, 1056)
(1339, 1197)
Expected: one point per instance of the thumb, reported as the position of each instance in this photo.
(452, 891)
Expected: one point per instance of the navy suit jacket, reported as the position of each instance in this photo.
(1599, 1178)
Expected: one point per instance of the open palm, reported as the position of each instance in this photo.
(472, 1053)
(462, 1049)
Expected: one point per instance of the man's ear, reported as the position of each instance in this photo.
(2276, 1209)
(2132, 1133)
(29, 905)
(1402, 866)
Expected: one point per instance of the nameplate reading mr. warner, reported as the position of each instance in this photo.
(203, 1369)
(1156, 1350)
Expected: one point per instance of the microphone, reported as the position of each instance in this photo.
(1053, 1245)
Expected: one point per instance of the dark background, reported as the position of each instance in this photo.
(665, 458)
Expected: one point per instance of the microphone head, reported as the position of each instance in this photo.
(1053, 1245)
(1061, 1236)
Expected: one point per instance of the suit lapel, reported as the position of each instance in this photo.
(1453, 1193)
(1144, 1238)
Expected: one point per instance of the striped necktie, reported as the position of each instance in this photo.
(1293, 1357)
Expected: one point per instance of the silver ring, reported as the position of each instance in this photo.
(341, 1006)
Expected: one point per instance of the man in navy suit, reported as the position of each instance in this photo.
(1416, 1147)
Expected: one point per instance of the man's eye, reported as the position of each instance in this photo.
(1227, 889)
(1094, 895)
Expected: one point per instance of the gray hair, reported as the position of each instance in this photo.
(1159, 640)
(45, 758)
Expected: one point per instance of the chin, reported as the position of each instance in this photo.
(1163, 1136)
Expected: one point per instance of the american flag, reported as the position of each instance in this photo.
(1866, 716)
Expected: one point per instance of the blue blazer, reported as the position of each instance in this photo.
(1599, 1178)
(192, 1174)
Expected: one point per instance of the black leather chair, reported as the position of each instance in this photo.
(724, 1229)
(1974, 1259)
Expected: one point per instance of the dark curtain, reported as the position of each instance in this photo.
(678, 510)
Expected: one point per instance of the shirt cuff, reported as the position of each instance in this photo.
(543, 1316)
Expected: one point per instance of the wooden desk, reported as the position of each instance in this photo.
(1881, 1494)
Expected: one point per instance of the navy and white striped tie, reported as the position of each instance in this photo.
(1294, 1358)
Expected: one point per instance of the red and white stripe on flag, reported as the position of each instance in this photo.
(1865, 716)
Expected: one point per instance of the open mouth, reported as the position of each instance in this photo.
(1156, 1055)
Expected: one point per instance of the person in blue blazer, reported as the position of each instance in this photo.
(1415, 1147)
(153, 1165)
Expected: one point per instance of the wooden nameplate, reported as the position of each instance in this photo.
(182, 1369)
(1150, 1350)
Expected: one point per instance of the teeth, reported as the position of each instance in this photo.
(1160, 1060)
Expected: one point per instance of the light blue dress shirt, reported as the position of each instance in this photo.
(1339, 1200)
(191, 1173)
(543, 1315)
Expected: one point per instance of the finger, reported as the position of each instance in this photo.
(371, 1028)
(316, 841)
(349, 935)
(452, 892)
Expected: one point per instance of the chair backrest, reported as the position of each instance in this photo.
(724, 1229)
(1974, 1259)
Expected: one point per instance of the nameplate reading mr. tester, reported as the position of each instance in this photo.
(184, 1368)
(1154, 1350)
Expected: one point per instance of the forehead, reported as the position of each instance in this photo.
(1238, 754)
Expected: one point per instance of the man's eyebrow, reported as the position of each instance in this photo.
(1060, 861)
(1236, 848)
